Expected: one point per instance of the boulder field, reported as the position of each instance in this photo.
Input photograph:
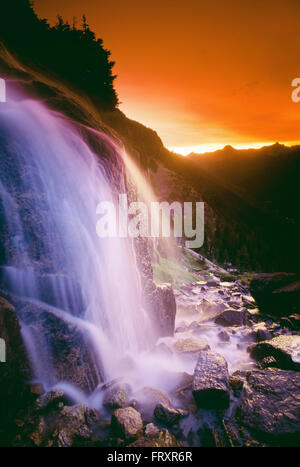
(240, 386)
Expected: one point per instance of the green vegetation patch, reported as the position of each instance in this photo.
(177, 271)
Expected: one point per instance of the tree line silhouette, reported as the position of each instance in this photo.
(74, 54)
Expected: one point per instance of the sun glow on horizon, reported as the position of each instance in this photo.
(204, 148)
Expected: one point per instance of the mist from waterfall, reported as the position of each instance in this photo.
(50, 185)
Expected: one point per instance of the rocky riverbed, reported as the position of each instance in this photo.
(228, 377)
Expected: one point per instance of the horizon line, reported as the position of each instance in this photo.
(213, 147)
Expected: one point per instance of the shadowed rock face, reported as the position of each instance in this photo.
(14, 372)
(159, 301)
(277, 294)
(73, 360)
(270, 406)
(211, 381)
(285, 351)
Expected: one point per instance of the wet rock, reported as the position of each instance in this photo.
(270, 406)
(284, 349)
(236, 384)
(224, 336)
(231, 317)
(201, 283)
(227, 285)
(62, 427)
(234, 304)
(49, 400)
(190, 347)
(187, 308)
(211, 381)
(209, 309)
(92, 417)
(164, 439)
(212, 283)
(71, 426)
(151, 430)
(161, 303)
(148, 398)
(37, 436)
(70, 345)
(268, 362)
(248, 301)
(212, 437)
(37, 389)
(261, 333)
(194, 326)
(115, 397)
(258, 333)
(168, 415)
(127, 423)
(277, 294)
(291, 322)
(163, 348)
(167, 311)
(182, 392)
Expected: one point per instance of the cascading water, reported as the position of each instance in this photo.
(78, 296)
(53, 262)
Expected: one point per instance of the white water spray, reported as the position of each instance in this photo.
(50, 185)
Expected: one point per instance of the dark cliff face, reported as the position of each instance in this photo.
(12, 374)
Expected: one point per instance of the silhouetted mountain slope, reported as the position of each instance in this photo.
(69, 53)
(267, 178)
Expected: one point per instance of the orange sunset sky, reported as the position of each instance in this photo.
(203, 74)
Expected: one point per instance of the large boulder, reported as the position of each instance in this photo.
(68, 347)
(285, 350)
(127, 423)
(211, 381)
(270, 406)
(115, 397)
(190, 347)
(231, 317)
(165, 310)
(71, 347)
(277, 293)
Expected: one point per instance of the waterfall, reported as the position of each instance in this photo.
(52, 262)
